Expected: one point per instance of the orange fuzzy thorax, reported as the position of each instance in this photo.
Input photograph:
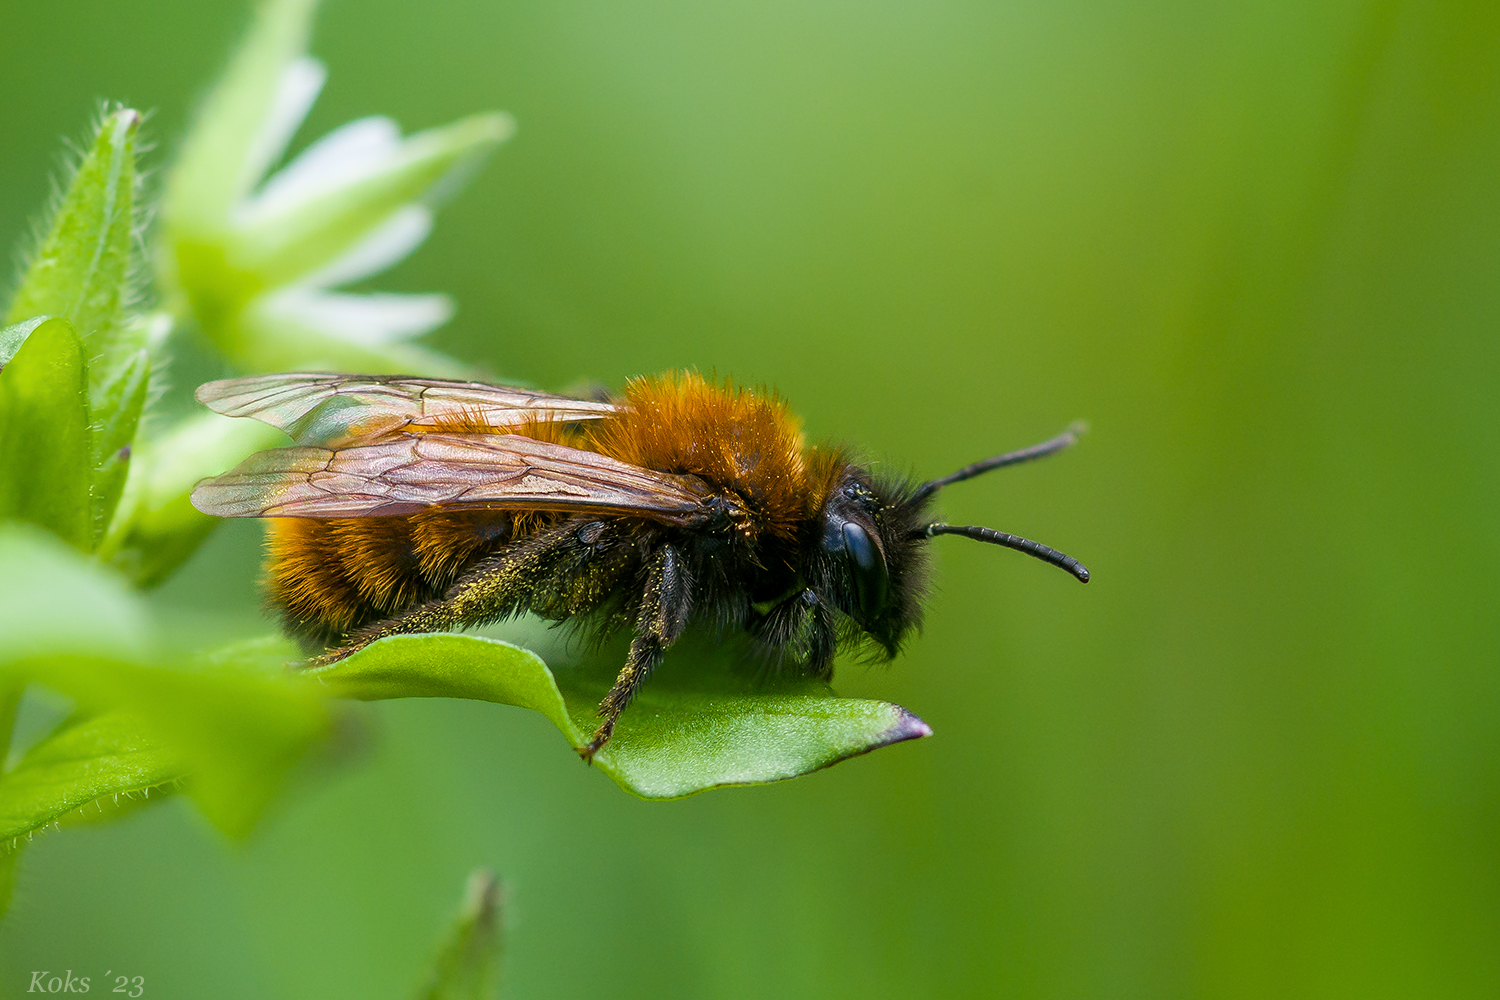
(735, 439)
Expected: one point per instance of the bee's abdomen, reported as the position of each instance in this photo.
(329, 577)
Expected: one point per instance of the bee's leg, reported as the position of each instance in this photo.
(801, 629)
(494, 588)
(665, 607)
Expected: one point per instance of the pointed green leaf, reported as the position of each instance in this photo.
(305, 233)
(468, 966)
(45, 447)
(13, 336)
(680, 735)
(245, 123)
(116, 413)
(82, 270)
(86, 764)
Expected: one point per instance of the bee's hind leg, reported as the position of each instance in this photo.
(494, 588)
(665, 607)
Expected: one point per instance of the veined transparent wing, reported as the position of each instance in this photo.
(404, 474)
(318, 408)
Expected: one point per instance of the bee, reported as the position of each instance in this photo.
(417, 505)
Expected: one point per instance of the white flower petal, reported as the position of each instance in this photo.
(369, 320)
(391, 242)
(347, 154)
(298, 88)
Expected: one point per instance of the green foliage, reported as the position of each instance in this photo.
(13, 336)
(45, 448)
(83, 268)
(685, 732)
(73, 386)
(468, 965)
(86, 765)
(230, 725)
(116, 414)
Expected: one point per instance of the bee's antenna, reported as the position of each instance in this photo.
(1063, 440)
(1043, 552)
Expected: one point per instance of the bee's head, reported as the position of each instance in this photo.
(875, 558)
(874, 538)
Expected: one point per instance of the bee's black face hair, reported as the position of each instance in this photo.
(874, 536)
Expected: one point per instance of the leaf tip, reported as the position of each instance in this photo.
(906, 727)
(125, 120)
(482, 897)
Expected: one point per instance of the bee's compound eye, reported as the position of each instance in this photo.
(858, 547)
(867, 569)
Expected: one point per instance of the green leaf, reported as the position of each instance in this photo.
(156, 528)
(13, 336)
(244, 722)
(245, 123)
(468, 965)
(679, 736)
(117, 413)
(82, 270)
(45, 446)
(86, 765)
(233, 724)
(54, 601)
(229, 730)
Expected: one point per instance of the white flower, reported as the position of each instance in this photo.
(254, 258)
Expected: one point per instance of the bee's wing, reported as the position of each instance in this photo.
(408, 473)
(321, 408)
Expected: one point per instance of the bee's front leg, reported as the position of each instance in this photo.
(665, 607)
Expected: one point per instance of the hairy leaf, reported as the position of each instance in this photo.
(231, 729)
(117, 414)
(674, 740)
(45, 446)
(87, 764)
(82, 269)
(468, 966)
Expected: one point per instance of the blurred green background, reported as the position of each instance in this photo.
(1256, 245)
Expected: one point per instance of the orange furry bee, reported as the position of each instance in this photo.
(417, 505)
